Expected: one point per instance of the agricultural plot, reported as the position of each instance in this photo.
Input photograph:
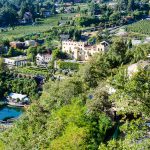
(45, 24)
(142, 27)
(32, 71)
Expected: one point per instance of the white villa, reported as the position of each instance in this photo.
(81, 50)
(17, 99)
(16, 61)
(42, 59)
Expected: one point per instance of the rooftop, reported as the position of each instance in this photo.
(17, 96)
(21, 57)
(44, 54)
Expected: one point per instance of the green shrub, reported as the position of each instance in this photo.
(68, 65)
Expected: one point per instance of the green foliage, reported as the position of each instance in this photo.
(131, 5)
(117, 53)
(8, 16)
(24, 86)
(11, 82)
(142, 27)
(68, 65)
(64, 117)
(47, 25)
(73, 138)
(31, 53)
(33, 71)
(3, 69)
(25, 130)
(86, 21)
(132, 140)
(115, 16)
(95, 70)
(100, 102)
(67, 127)
(1, 64)
(14, 52)
(56, 94)
(133, 92)
(57, 54)
(101, 65)
(140, 52)
(137, 53)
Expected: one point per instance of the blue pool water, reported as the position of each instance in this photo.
(7, 112)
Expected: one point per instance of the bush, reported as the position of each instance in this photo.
(68, 65)
(86, 21)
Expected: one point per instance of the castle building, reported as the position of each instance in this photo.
(81, 50)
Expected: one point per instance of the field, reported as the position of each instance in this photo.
(142, 27)
(45, 25)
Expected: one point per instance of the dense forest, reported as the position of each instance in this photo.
(77, 113)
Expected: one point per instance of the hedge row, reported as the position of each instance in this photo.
(68, 65)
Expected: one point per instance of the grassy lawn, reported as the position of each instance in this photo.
(23, 30)
(45, 25)
(54, 19)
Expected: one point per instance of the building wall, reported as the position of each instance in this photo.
(70, 45)
(9, 61)
(12, 62)
(20, 63)
(80, 50)
(41, 59)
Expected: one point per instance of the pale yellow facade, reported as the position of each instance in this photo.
(81, 50)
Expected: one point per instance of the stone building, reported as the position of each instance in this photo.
(81, 50)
